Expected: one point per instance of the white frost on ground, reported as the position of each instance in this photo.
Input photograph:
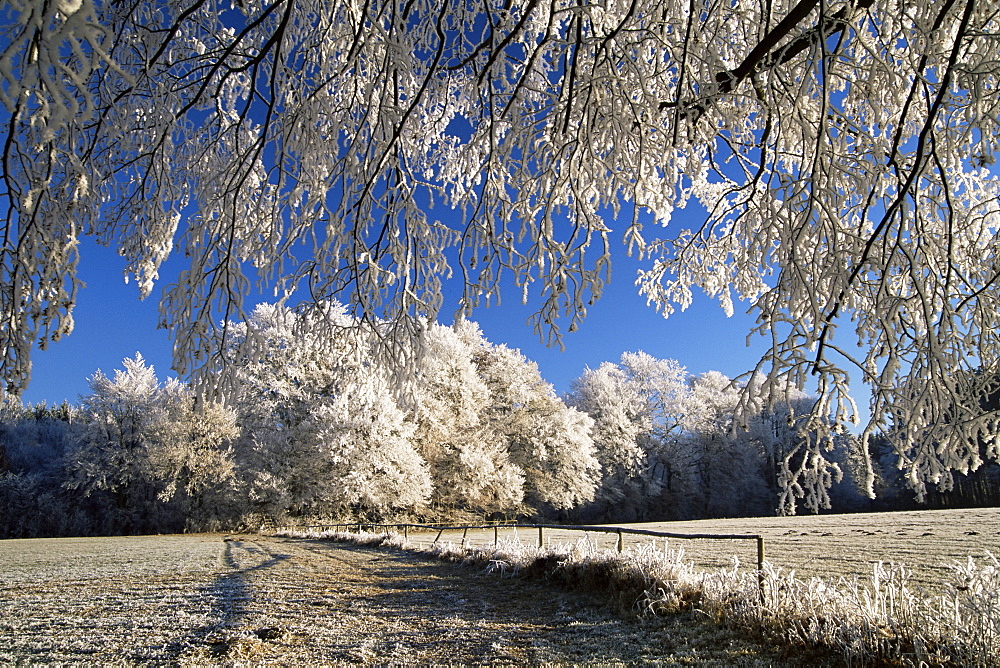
(134, 599)
(204, 600)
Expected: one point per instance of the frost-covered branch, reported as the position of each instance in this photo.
(839, 154)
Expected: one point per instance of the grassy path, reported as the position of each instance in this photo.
(210, 599)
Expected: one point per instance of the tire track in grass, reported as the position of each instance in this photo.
(332, 603)
(229, 594)
(203, 600)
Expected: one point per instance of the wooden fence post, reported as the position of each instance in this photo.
(760, 568)
(540, 541)
(621, 542)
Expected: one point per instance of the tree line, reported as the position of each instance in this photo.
(321, 428)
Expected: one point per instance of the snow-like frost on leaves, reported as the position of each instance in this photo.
(150, 444)
(326, 431)
(842, 155)
(672, 445)
(466, 451)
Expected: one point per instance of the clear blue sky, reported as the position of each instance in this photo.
(112, 324)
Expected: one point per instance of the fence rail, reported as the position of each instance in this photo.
(465, 528)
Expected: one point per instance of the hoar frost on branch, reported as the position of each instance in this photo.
(325, 431)
(842, 151)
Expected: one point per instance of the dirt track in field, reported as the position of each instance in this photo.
(210, 599)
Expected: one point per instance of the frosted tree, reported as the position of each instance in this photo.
(795, 447)
(497, 438)
(548, 440)
(322, 433)
(374, 467)
(279, 374)
(622, 425)
(646, 411)
(665, 392)
(467, 454)
(726, 462)
(117, 450)
(838, 156)
(193, 459)
(663, 386)
(678, 445)
(119, 415)
(282, 372)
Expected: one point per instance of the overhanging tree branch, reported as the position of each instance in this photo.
(766, 55)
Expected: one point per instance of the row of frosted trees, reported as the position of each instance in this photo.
(322, 427)
(314, 426)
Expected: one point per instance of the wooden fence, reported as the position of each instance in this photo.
(465, 528)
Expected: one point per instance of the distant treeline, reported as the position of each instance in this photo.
(321, 428)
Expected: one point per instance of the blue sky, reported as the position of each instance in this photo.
(112, 324)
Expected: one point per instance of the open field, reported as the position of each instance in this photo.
(826, 546)
(252, 600)
(215, 599)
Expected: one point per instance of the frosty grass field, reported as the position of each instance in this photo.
(219, 599)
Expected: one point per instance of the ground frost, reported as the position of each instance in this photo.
(205, 600)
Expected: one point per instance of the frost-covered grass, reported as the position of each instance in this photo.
(877, 619)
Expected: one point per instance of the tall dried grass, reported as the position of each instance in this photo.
(878, 620)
